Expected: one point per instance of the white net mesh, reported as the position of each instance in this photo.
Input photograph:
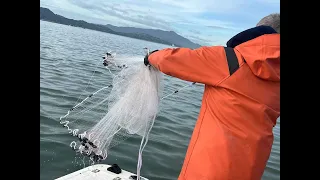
(128, 109)
(127, 106)
(133, 104)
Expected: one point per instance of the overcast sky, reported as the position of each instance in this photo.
(207, 22)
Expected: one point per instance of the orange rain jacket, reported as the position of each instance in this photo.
(233, 136)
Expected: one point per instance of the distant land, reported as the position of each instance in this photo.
(152, 35)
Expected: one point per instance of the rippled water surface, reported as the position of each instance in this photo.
(68, 58)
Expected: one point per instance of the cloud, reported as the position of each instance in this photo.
(200, 20)
(217, 27)
(194, 31)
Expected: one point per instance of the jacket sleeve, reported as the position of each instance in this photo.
(205, 65)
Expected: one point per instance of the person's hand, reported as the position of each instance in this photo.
(146, 60)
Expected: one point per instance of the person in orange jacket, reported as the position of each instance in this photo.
(233, 135)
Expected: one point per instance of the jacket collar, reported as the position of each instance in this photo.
(249, 34)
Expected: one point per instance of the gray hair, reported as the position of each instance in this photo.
(272, 20)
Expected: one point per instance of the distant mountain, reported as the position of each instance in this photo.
(169, 36)
(158, 36)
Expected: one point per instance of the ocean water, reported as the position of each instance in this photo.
(68, 58)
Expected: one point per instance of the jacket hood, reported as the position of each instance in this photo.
(260, 48)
